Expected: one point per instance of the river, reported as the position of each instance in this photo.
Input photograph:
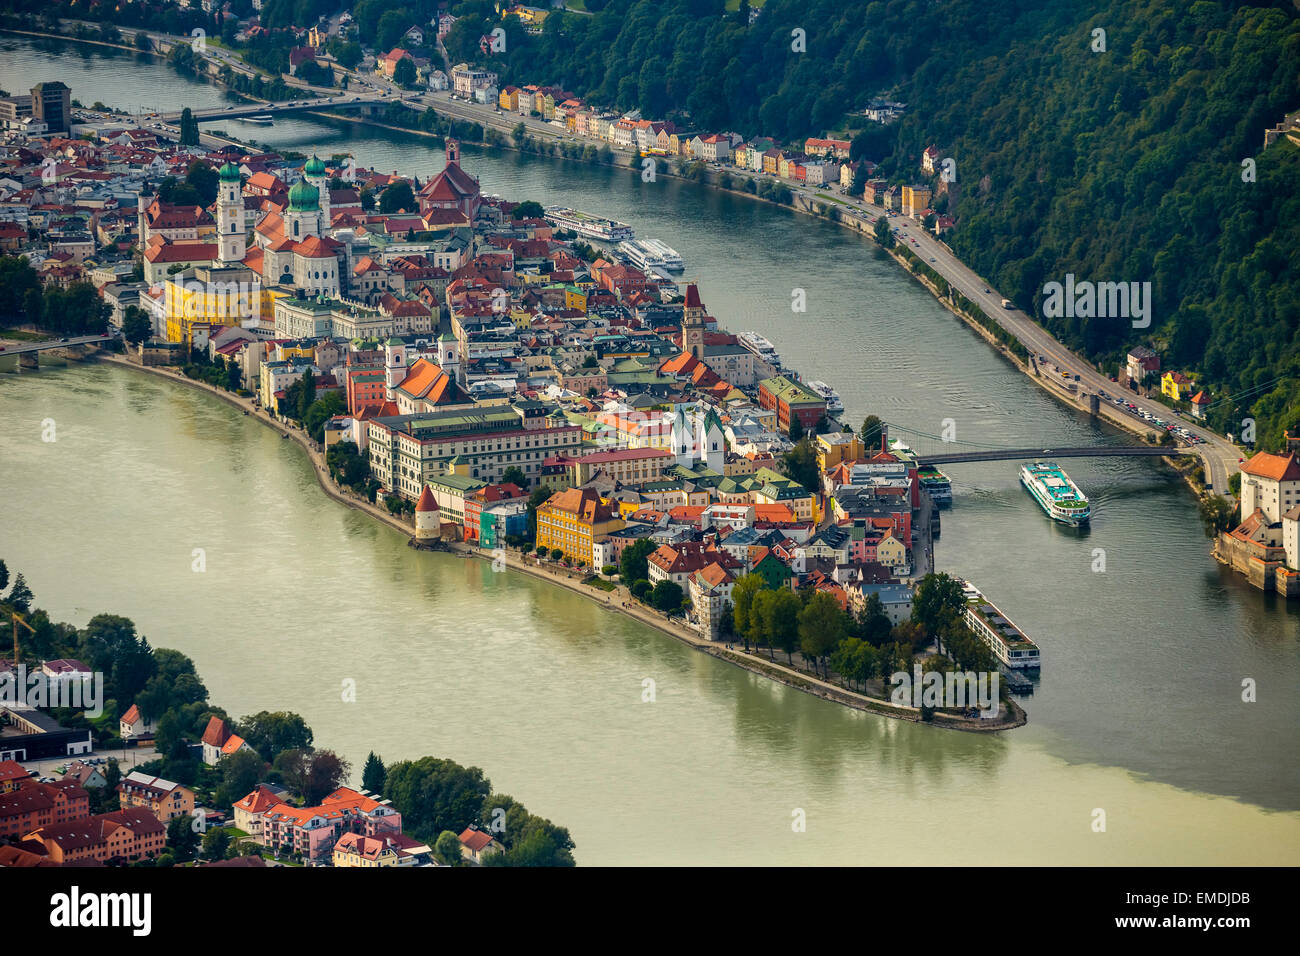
(1138, 711)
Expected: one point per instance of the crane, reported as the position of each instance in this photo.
(17, 618)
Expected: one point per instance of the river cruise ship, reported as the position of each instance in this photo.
(829, 395)
(936, 484)
(650, 254)
(585, 224)
(1007, 642)
(760, 347)
(1055, 493)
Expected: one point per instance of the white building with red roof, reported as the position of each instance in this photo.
(1271, 484)
(219, 741)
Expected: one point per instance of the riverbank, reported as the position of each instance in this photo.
(619, 600)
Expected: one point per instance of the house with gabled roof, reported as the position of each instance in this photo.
(219, 741)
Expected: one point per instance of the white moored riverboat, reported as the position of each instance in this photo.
(585, 224)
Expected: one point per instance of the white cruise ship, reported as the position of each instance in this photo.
(585, 224)
(832, 397)
(650, 254)
(759, 346)
(1009, 644)
(667, 255)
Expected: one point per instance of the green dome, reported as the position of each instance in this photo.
(229, 173)
(315, 167)
(304, 197)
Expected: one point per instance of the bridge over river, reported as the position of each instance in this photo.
(1078, 451)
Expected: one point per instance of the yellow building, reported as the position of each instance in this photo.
(1176, 385)
(354, 849)
(836, 447)
(572, 521)
(215, 295)
(575, 298)
(508, 99)
(916, 199)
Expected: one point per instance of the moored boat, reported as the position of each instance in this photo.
(1009, 644)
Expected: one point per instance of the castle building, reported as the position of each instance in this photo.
(428, 517)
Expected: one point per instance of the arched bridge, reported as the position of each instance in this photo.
(1085, 451)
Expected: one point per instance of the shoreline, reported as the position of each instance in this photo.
(754, 663)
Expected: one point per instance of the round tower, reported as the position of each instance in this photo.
(428, 517)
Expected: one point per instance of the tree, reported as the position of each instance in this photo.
(404, 74)
(398, 197)
(540, 495)
(796, 428)
(372, 775)
(855, 661)
(530, 209)
(215, 843)
(189, 128)
(633, 564)
(666, 596)
(873, 624)
(780, 617)
(270, 734)
(872, 428)
(20, 596)
(938, 601)
(306, 394)
(883, 234)
(434, 795)
(447, 849)
(1218, 514)
(518, 135)
(240, 772)
(181, 838)
(801, 464)
(205, 181)
(4, 575)
(514, 475)
(313, 773)
(136, 325)
(822, 626)
(743, 593)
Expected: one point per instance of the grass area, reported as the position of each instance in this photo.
(831, 198)
(20, 335)
(598, 582)
(733, 5)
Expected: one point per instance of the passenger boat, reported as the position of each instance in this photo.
(760, 347)
(936, 484)
(1008, 643)
(585, 224)
(648, 254)
(1055, 493)
(832, 397)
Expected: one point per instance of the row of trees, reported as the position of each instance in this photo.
(859, 646)
(75, 310)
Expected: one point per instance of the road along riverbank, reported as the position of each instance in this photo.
(1011, 715)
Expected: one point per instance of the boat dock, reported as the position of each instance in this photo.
(1019, 683)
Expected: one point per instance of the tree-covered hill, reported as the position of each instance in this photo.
(1122, 165)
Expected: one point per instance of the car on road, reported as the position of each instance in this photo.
(932, 258)
(986, 288)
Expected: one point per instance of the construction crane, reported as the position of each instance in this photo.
(19, 620)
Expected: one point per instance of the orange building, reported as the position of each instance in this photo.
(132, 834)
